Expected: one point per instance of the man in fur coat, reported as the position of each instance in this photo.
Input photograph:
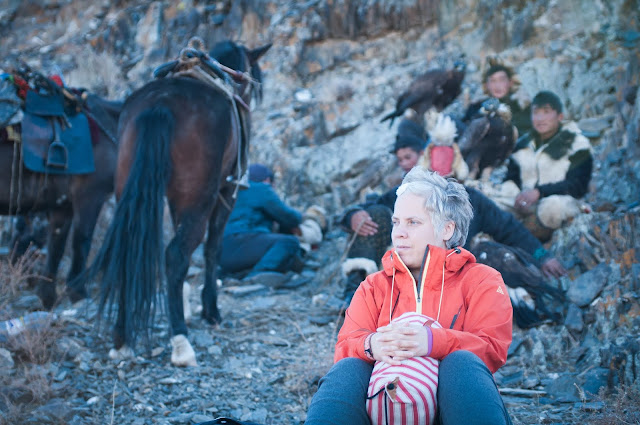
(500, 82)
(551, 165)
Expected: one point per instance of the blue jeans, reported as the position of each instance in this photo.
(259, 252)
(467, 394)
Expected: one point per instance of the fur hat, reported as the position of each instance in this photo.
(495, 64)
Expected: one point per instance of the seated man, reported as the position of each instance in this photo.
(372, 223)
(500, 82)
(249, 241)
(551, 165)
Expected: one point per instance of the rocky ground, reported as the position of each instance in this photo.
(334, 70)
(263, 362)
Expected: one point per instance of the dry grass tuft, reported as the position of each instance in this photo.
(14, 279)
(622, 408)
(27, 384)
(97, 72)
(37, 345)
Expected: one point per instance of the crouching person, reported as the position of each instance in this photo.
(551, 165)
(427, 273)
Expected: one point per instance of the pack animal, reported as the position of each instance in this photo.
(70, 201)
(185, 138)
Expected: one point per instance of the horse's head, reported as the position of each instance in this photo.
(245, 61)
(104, 111)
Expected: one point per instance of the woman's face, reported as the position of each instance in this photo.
(413, 230)
(407, 158)
(498, 84)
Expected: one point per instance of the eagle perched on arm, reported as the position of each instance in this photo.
(489, 139)
(534, 301)
(436, 88)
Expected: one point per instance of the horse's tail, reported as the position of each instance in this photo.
(131, 259)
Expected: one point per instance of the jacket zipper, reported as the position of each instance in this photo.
(418, 287)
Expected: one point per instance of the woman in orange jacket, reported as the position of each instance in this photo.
(426, 272)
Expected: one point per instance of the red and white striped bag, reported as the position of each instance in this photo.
(405, 394)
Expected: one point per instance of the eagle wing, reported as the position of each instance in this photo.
(531, 295)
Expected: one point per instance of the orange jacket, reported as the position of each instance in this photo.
(475, 311)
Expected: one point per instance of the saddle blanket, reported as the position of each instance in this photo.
(37, 136)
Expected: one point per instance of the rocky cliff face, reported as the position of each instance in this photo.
(335, 68)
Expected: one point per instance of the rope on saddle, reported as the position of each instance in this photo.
(194, 63)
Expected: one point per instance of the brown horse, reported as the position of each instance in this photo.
(67, 199)
(182, 138)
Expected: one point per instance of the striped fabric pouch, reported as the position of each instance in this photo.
(405, 394)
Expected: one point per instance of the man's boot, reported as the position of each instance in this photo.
(537, 229)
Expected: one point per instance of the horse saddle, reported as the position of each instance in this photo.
(52, 142)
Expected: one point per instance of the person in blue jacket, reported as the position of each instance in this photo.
(249, 242)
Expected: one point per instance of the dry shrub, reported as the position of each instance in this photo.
(14, 279)
(28, 384)
(22, 391)
(97, 72)
(622, 408)
(35, 345)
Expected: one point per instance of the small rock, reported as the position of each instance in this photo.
(93, 400)
(563, 388)
(214, 350)
(6, 360)
(574, 321)
(588, 285)
(241, 291)
(194, 271)
(592, 406)
(303, 95)
(202, 339)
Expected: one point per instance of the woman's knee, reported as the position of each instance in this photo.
(460, 359)
(349, 371)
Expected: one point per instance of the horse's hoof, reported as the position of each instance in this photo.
(122, 353)
(212, 319)
(76, 295)
(182, 354)
(47, 293)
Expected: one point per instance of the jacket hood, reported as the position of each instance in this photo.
(454, 260)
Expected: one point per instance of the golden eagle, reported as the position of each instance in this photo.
(489, 139)
(436, 88)
(534, 301)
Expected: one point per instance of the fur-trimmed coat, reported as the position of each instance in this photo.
(560, 165)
